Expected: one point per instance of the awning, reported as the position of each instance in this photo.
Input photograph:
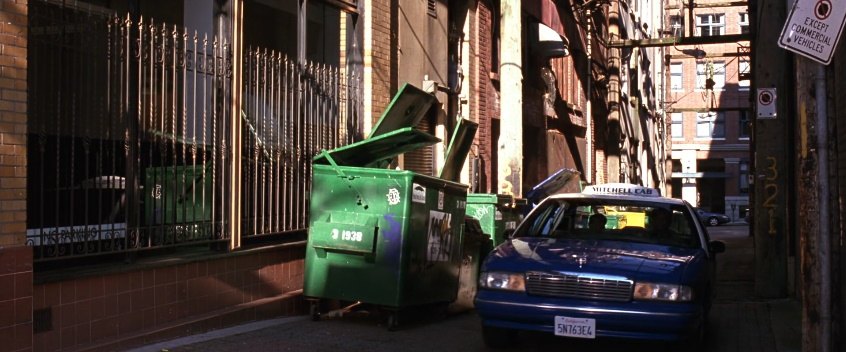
(547, 43)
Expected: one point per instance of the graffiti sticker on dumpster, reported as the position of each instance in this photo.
(393, 196)
(418, 194)
(439, 237)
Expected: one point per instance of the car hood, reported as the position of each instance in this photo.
(637, 261)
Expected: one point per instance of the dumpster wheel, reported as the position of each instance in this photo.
(314, 310)
(393, 320)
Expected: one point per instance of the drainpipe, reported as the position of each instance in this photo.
(612, 141)
(824, 239)
(589, 175)
(510, 144)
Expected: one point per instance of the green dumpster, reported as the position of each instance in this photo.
(391, 238)
(177, 202)
(178, 194)
(496, 213)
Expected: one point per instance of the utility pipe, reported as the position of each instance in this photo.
(510, 144)
(824, 239)
(590, 174)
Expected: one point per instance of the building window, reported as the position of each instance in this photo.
(744, 126)
(744, 177)
(677, 25)
(743, 75)
(676, 82)
(710, 24)
(714, 70)
(743, 21)
(710, 125)
(677, 127)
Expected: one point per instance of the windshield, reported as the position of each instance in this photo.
(619, 220)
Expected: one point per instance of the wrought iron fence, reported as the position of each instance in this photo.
(128, 131)
(291, 112)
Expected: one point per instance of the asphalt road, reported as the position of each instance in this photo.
(739, 322)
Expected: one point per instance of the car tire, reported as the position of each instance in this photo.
(697, 342)
(713, 221)
(498, 338)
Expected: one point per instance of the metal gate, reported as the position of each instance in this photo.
(128, 129)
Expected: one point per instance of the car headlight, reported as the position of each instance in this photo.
(503, 281)
(662, 292)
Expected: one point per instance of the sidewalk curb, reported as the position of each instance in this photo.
(217, 334)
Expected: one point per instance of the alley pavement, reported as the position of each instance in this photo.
(739, 322)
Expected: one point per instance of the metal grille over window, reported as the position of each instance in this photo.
(571, 285)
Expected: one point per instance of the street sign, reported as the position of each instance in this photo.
(766, 103)
(813, 29)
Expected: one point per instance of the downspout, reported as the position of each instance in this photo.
(510, 144)
(589, 175)
(825, 239)
(613, 149)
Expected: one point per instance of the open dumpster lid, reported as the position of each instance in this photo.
(407, 108)
(552, 184)
(458, 148)
(377, 151)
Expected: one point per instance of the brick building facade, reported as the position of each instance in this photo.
(708, 110)
(16, 273)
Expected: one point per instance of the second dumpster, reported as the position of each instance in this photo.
(496, 213)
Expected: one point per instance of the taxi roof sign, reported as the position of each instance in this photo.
(623, 189)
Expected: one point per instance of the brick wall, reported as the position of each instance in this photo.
(15, 258)
(119, 310)
(383, 55)
(487, 100)
(13, 27)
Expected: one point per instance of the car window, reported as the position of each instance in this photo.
(546, 219)
(623, 220)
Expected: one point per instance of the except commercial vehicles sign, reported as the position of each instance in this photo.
(813, 29)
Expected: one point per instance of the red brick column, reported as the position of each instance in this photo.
(15, 256)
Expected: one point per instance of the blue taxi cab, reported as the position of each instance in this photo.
(615, 261)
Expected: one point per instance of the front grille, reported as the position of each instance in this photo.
(581, 286)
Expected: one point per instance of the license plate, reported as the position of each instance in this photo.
(584, 328)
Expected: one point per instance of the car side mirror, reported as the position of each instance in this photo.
(717, 247)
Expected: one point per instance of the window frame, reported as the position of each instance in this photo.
(715, 121)
(677, 25)
(743, 129)
(743, 85)
(716, 21)
(677, 76)
(743, 177)
(743, 22)
(677, 123)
